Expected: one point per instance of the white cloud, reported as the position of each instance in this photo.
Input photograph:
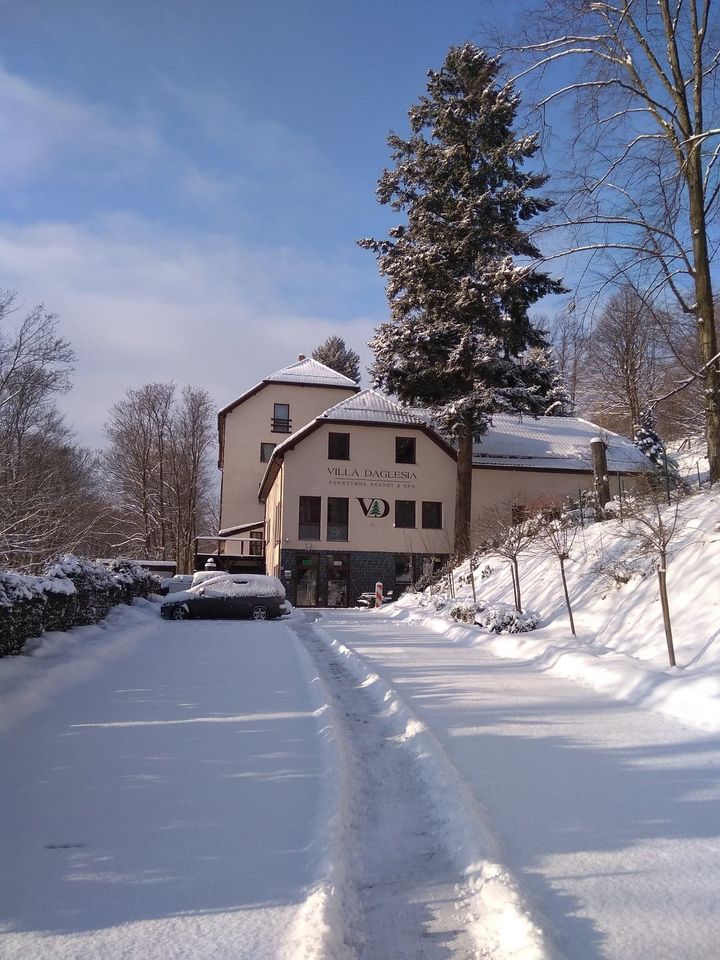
(40, 128)
(139, 304)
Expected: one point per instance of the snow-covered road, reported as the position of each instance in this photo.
(165, 806)
(402, 896)
(345, 785)
(607, 816)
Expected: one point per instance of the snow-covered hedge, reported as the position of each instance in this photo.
(71, 592)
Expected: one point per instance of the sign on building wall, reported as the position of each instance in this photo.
(374, 508)
(372, 477)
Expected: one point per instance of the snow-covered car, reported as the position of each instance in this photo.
(181, 581)
(228, 595)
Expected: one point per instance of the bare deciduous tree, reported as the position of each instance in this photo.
(49, 500)
(628, 361)
(157, 470)
(644, 182)
(570, 341)
(652, 524)
(508, 534)
(558, 533)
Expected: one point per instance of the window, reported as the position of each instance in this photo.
(403, 572)
(309, 525)
(431, 515)
(280, 422)
(404, 513)
(338, 446)
(404, 449)
(337, 518)
(266, 450)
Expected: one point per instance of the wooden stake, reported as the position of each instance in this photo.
(599, 459)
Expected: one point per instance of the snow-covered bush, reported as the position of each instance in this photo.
(619, 571)
(502, 618)
(71, 592)
(464, 612)
(497, 618)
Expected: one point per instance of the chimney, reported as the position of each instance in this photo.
(301, 356)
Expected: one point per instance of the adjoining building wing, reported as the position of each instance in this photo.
(553, 443)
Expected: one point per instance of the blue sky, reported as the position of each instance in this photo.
(184, 182)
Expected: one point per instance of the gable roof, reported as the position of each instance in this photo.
(302, 373)
(367, 408)
(553, 443)
(371, 406)
(311, 372)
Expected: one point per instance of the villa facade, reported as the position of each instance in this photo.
(333, 489)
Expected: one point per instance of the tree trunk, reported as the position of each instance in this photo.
(662, 582)
(518, 600)
(707, 336)
(567, 597)
(463, 492)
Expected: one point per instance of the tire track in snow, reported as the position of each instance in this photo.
(411, 904)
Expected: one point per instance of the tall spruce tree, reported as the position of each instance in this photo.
(334, 354)
(459, 302)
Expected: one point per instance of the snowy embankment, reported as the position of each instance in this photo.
(500, 922)
(620, 648)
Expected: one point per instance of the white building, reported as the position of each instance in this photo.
(332, 488)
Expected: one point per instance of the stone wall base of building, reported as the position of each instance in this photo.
(337, 578)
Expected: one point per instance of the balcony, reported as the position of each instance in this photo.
(231, 553)
(280, 425)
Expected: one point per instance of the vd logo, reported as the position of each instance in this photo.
(377, 509)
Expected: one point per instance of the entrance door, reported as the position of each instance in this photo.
(337, 588)
(307, 581)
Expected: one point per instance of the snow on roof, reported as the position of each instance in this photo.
(307, 372)
(373, 407)
(312, 372)
(554, 443)
(513, 442)
(240, 528)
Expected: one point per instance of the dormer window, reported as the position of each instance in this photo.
(281, 422)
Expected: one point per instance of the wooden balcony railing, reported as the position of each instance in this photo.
(229, 546)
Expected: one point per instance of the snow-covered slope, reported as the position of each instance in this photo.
(620, 646)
